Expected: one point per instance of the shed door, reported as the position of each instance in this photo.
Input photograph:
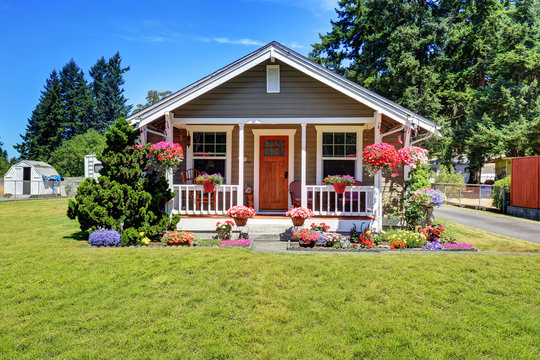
(26, 180)
(274, 165)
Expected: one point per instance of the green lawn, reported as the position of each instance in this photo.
(62, 299)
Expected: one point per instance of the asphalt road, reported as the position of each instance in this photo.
(507, 226)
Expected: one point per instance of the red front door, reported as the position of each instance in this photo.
(273, 173)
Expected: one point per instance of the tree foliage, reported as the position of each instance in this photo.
(472, 66)
(5, 164)
(126, 195)
(68, 159)
(152, 97)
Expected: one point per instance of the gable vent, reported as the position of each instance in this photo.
(272, 78)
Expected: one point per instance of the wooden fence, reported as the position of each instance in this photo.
(525, 188)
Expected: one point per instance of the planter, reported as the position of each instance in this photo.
(298, 221)
(428, 213)
(304, 244)
(339, 187)
(223, 235)
(240, 221)
(208, 186)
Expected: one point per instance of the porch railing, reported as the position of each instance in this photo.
(192, 200)
(355, 201)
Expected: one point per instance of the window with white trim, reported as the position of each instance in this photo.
(210, 152)
(339, 153)
(272, 78)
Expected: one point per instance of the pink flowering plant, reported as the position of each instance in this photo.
(214, 178)
(413, 156)
(306, 235)
(381, 156)
(338, 179)
(457, 246)
(241, 212)
(235, 243)
(322, 227)
(299, 212)
(166, 155)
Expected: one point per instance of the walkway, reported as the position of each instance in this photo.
(503, 225)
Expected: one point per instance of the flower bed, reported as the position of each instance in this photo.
(245, 243)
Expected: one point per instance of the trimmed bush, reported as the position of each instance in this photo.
(130, 237)
(497, 194)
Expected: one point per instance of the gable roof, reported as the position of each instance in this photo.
(275, 50)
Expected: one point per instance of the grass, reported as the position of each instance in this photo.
(61, 299)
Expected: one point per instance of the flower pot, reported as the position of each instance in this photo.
(428, 211)
(298, 221)
(305, 244)
(208, 186)
(339, 187)
(223, 235)
(240, 221)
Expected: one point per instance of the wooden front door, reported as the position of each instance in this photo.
(273, 173)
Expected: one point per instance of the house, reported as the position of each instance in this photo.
(274, 117)
(31, 178)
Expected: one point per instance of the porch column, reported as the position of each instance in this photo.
(303, 167)
(378, 176)
(407, 142)
(169, 137)
(240, 198)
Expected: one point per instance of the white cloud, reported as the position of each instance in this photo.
(244, 41)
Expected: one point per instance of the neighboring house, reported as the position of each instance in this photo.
(459, 163)
(274, 117)
(31, 178)
(503, 166)
(92, 166)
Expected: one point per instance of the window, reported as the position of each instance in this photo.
(209, 152)
(339, 153)
(272, 78)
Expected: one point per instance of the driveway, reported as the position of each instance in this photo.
(503, 225)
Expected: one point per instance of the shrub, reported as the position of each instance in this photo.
(446, 176)
(102, 237)
(130, 237)
(497, 192)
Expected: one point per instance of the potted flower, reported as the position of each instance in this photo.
(428, 198)
(299, 214)
(166, 155)
(322, 227)
(306, 237)
(241, 214)
(209, 182)
(224, 229)
(381, 156)
(340, 182)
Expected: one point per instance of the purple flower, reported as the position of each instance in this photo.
(432, 245)
(102, 237)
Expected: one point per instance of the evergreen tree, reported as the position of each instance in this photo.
(127, 196)
(77, 101)
(44, 131)
(110, 103)
(68, 158)
(152, 97)
(5, 164)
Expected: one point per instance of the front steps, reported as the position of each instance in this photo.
(265, 229)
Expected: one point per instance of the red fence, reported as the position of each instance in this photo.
(525, 189)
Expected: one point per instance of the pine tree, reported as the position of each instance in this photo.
(152, 97)
(110, 103)
(127, 195)
(77, 101)
(44, 131)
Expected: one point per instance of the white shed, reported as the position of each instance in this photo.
(31, 178)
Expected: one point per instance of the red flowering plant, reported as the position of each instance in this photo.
(241, 212)
(178, 238)
(432, 232)
(166, 155)
(214, 178)
(381, 156)
(339, 179)
(413, 156)
(396, 245)
(306, 235)
(225, 226)
(362, 238)
(322, 227)
(299, 212)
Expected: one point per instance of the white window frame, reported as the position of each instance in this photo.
(269, 89)
(227, 129)
(359, 130)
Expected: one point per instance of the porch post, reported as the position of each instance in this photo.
(170, 138)
(407, 142)
(303, 167)
(240, 194)
(378, 176)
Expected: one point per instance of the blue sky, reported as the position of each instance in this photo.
(167, 44)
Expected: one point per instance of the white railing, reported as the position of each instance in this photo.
(355, 201)
(192, 200)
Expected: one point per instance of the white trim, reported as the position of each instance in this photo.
(257, 133)
(359, 130)
(240, 194)
(303, 177)
(212, 128)
(272, 121)
(282, 53)
(269, 89)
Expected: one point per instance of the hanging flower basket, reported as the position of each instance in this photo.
(208, 186)
(298, 221)
(413, 156)
(339, 188)
(381, 156)
(166, 155)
